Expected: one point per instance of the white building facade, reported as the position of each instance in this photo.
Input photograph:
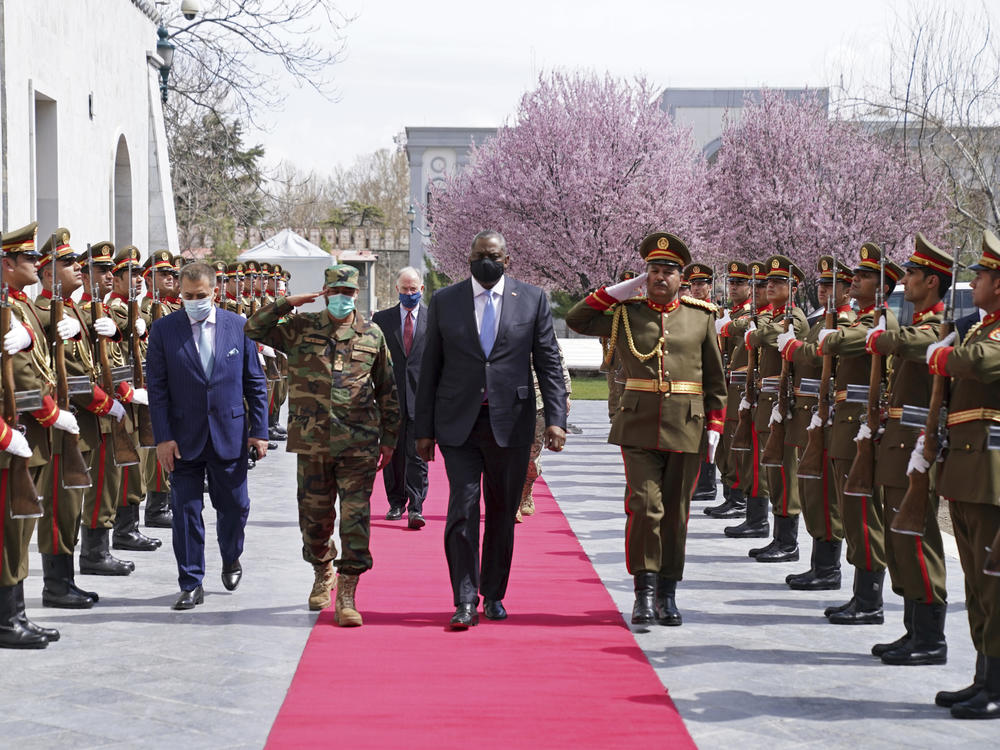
(81, 122)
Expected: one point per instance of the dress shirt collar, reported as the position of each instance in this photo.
(478, 288)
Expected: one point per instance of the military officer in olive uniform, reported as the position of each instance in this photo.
(343, 424)
(734, 360)
(673, 406)
(26, 345)
(862, 515)
(783, 278)
(818, 494)
(970, 478)
(160, 277)
(753, 482)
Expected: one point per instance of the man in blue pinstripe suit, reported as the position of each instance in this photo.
(208, 404)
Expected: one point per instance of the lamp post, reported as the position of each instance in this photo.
(165, 49)
(411, 214)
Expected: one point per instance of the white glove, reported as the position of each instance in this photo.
(105, 327)
(864, 433)
(744, 404)
(242, 316)
(824, 332)
(18, 445)
(815, 422)
(17, 338)
(784, 338)
(268, 352)
(721, 322)
(946, 341)
(917, 461)
(750, 329)
(713, 443)
(117, 411)
(140, 327)
(776, 415)
(68, 327)
(140, 396)
(876, 329)
(66, 422)
(624, 290)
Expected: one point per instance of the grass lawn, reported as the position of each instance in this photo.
(590, 388)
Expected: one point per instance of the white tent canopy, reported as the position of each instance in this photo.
(301, 258)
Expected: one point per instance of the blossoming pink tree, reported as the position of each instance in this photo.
(589, 166)
(789, 180)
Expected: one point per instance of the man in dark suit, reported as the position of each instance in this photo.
(475, 398)
(208, 404)
(404, 326)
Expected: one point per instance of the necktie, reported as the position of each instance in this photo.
(408, 332)
(205, 350)
(487, 328)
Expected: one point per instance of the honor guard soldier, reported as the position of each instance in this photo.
(970, 479)
(612, 365)
(234, 286)
(74, 507)
(783, 279)
(916, 563)
(251, 272)
(220, 267)
(275, 429)
(699, 276)
(734, 359)
(127, 270)
(343, 423)
(158, 273)
(817, 490)
(672, 407)
(861, 514)
(30, 372)
(753, 481)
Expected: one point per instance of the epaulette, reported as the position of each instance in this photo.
(701, 304)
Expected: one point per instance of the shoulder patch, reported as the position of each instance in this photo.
(700, 304)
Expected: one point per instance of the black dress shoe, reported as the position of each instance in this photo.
(494, 610)
(188, 599)
(231, 575)
(416, 521)
(394, 514)
(465, 617)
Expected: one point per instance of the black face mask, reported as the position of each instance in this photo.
(486, 270)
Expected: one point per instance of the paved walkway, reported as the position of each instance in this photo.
(754, 664)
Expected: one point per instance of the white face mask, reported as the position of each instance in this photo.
(198, 309)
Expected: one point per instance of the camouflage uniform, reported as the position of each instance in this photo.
(341, 389)
(534, 456)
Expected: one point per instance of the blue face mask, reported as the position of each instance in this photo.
(340, 305)
(198, 309)
(409, 301)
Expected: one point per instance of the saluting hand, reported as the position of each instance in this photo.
(297, 300)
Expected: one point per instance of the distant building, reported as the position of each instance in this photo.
(81, 122)
(436, 152)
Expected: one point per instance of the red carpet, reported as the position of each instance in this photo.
(563, 671)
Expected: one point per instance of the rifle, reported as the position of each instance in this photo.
(239, 292)
(23, 493)
(774, 449)
(155, 307)
(813, 461)
(911, 516)
(75, 474)
(254, 299)
(861, 478)
(122, 447)
(144, 425)
(743, 436)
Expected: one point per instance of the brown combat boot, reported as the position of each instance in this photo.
(319, 597)
(527, 505)
(344, 613)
